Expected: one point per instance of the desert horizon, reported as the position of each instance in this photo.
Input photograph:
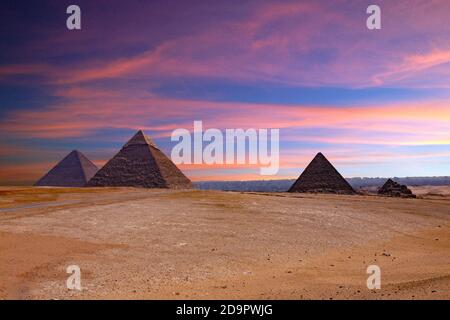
(227, 158)
(233, 246)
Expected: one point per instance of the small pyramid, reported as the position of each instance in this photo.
(140, 164)
(394, 189)
(74, 170)
(321, 177)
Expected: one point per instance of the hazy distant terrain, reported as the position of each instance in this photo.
(283, 185)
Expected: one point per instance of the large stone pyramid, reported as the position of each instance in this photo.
(74, 170)
(321, 177)
(140, 164)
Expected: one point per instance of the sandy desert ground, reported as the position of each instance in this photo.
(163, 244)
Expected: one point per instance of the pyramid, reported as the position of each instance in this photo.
(321, 177)
(394, 189)
(74, 170)
(140, 164)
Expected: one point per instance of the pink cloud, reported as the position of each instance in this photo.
(415, 64)
(22, 69)
(96, 110)
(280, 42)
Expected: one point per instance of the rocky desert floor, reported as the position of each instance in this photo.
(192, 244)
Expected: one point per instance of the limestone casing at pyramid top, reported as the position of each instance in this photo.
(140, 138)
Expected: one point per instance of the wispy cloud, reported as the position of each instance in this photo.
(106, 78)
(416, 64)
(281, 43)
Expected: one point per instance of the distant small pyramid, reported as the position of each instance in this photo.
(321, 177)
(74, 170)
(140, 164)
(394, 189)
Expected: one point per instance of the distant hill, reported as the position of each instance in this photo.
(283, 185)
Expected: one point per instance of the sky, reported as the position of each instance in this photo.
(375, 102)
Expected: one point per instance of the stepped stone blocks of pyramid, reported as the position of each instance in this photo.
(394, 189)
(321, 177)
(75, 170)
(140, 164)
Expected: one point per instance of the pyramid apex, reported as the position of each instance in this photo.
(320, 154)
(76, 153)
(140, 132)
(140, 138)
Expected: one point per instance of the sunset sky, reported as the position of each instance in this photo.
(375, 102)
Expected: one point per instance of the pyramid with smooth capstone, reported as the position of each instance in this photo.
(140, 164)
